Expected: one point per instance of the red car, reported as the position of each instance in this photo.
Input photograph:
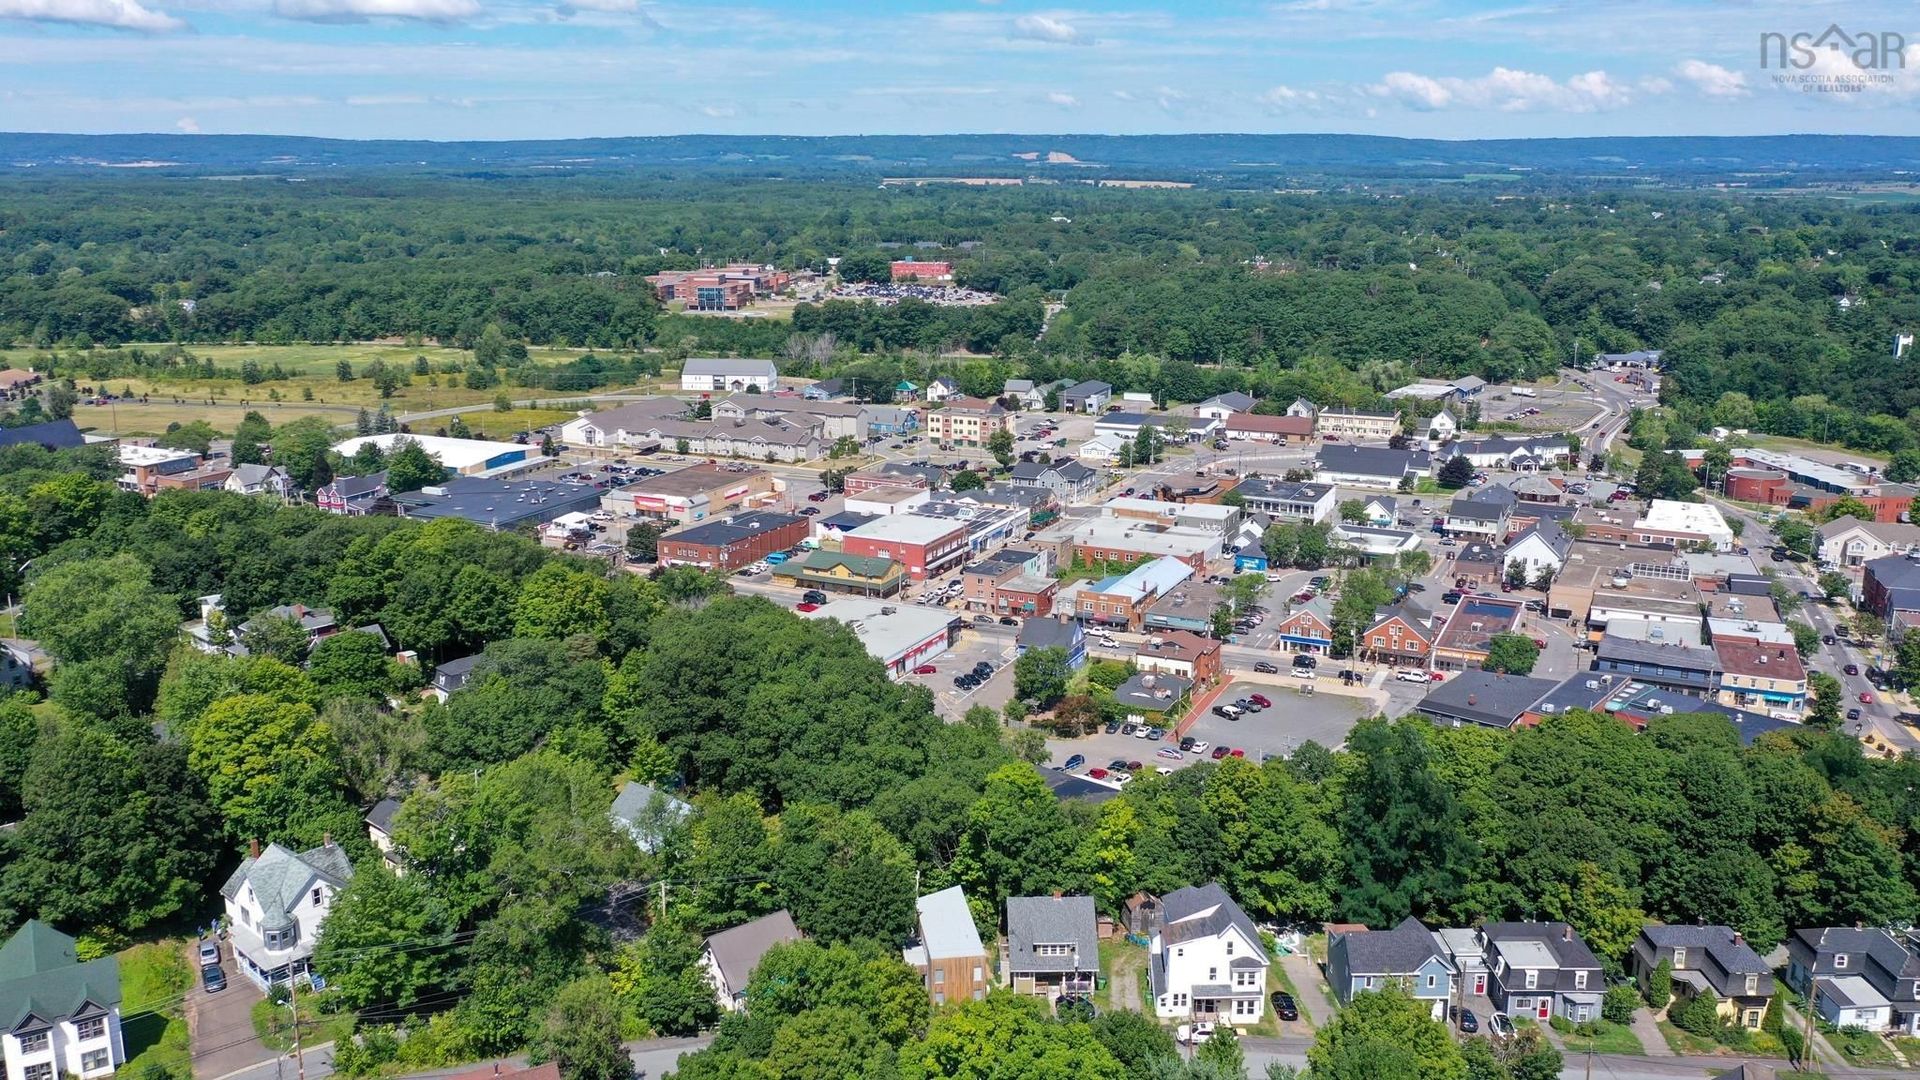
(1866, 698)
(1539, 643)
(925, 669)
(1218, 753)
(1097, 774)
(1260, 700)
(806, 607)
(1237, 752)
(1436, 676)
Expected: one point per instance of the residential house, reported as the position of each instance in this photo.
(1542, 970)
(1069, 480)
(379, 823)
(967, 421)
(1398, 636)
(834, 420)
(1065, 634)
(16, 665)
(317, 622)
(1303, 407)
(886, 420)
(276, 902)
(259, 480)
(1407, 956)
(722, 374)
(1224, 406)
(1052, 946)
(1861, 977)
(647, 815)
(1440, 429)
(352, 495)
(1086, 397)
(1287, 500)
(1346, 465)
(939, 390)
(1760, 676)
(1482, 513)
(948, 954)
(827, 390)
(1848, 541)
(1308, 628)
(1351, 424)
(1381, 510)
(1181, 652)
(1540, 549)
(60, 1017)
(1890, 589)
(451, 676)
(1706, 959)
(1206, 960)
(1101, 450)
(1025, 394)
(730, 956)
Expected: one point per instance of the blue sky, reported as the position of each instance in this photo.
(495, 69)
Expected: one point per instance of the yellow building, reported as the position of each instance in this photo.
(835, 571)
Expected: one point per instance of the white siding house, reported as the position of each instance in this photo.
(711, 374)
(58, 1016)
(276, 902)
(1206, 962)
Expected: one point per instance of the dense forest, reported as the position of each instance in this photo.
(819, 786)
(1790, 305)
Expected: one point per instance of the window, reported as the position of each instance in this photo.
(1229, 946)
(1213, 973)
(1679, 959)
(1579, 980)
(1839, 961)
(1053, 950)
(1533, 979)
(91, 1028)
(94, 1060)
(1430, 982)
(1244, 1007)
(939, 998)
(976, 973)
(33, 1042)
(939, 975)
(316, 895)
(42, 1071)
(1753, 985)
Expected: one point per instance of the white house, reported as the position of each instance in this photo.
(940, 390)
(710, 374)
(1101, 449)
(58, 1016)
(1442, 428)
(1026, 396)
(730, 956)
(1542, 547)
(1302, 407)
(258, 480)
(1222, 406)
(1848, 541)
(1205, 962)
(276, 902)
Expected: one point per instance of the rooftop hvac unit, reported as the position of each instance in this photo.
(1593, 684)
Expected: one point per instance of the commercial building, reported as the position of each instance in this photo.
(1123, 599)
(153, 469)
(718, 288)
(1486, 698)
(1346, 465)
(1256, 427)
(1475, 621)
(1010, 581)
(1090, 396)
(1762, 677)
(900, 636)
(693, 494)
(1205, 517)
(731, 543)
(1675, 667)
(889, 477)
(725, 374)
(837, 571)
(1682, 523)
(461, 457)
(1287, 500)
(1181, 652)
(1117, 540)
(1848, 541)
(968, 421)
(1375, 543)
(1798, 482)
(497, 504)
(1349, 424)
(926, 546)
(1188, 607)
(915, 270)
(834, 419)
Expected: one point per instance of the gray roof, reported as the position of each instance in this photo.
(54, 435)
(1084, 389)
(1048, 634)
(1232, 399)
(1136, 694)
(1068, 469)
(1066, 785)
(1559, 938)
(946, 925)
(1718, 942)
(739, 528)
(279, 879)
(1372, 460)
(1551, 534)
(1485, 697)
(845, 520)
(352, 487)
(498, 503)
(1200, 911)
(1487, 504)
(251, 475)
(381, 816)
(1052, 920)
(719, 365)
(1269, 487)
(738, 951)
(1398, 951)
(636, 811)
(453, 674)
(41, 976)
(1636, 651)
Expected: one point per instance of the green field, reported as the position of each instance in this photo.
(153, 979)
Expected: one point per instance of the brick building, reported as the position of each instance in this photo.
(967, 421)
(732, 543)
(926, 546)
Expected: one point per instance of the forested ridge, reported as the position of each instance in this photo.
(819, 786)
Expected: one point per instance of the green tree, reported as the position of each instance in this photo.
(410, 467)
(389, 941)
(1806, 640)
(661, 980)
(1456, 473)
(1000, 445)
(1827, 694)
(1223, 1052)
(1904, 468)
(1016, 839)
(1659, 987)
(1834, 585)
(1041, 675)
(1698, 1014)
(277, 637)
(1385, 1035)
(1005, 1037)
(557, 602)
(1354, 511)
(107, 626)
(643, 541)
(353, 663)
(581, 1033)
(269, 766)
(966, 480)
(1511, 654)
(1407, 845)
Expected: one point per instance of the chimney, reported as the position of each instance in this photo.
(326, 839)
(253, 848)
(1739, 938)
(1566, 933)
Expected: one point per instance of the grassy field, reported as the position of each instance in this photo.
(1609, 1038)
(133, 418)
(1825, 450)
(501, 425)
(153, 977)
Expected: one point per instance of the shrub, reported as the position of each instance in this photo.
(1794, 1043)
(1561, 1024)
(1775, 1017)
(1619, 1004)
(1698, 1015)
(1660, 986)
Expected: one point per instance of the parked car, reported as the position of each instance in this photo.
(814, 596)
(1410, 675)
(1199, 747)
(1186, 742)
(1465, 1020)
(1073, 762)
(809, 511)
(925, 669)
(1265, 668)
(1284, 1007)
(983, 620)
(1112, 726)
(1853, 714)
(209, 952)
(212, 978)
(1008, 620)
(1117, 764)
(1097, 774)
(1226, 712)
(1191, 1034)
(1143, 732)
(1170, 754)
(1851, 669)
(1218, 753)
(1261, 700)
(1157, 733)
(1305, 660)
(1500, 1025)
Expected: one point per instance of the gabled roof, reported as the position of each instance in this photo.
(1371, 460)
(1399, 951)
(1726, 948)
(1201, 911)
(722, 365)
(255, 475)
(41, 976)
(353, 487)
(1568, 950)
(1083, 389)
(737, 951)
(1549, 533)
(381, 816)
(946, 925)
(866, 566)
(1048, 634)
(1232, 399)
(1068, 468)
(279, 879)
(636, 810)
(1052, 920)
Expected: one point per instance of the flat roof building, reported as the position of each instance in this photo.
(692, 494)
(731, 543)
(466, 457)
(900, 636)
(495, 503)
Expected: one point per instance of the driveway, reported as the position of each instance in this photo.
(220, 1026)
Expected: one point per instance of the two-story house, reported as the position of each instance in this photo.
(1183, 653)
(352, 495)
(730, 956)
(1542, 970)
(1069, 480)
(1206, 962)
(1861, 977)
(1483, 513)
(1407, 956)
(1067, 635)
(276, 902)
(259, 480)
(1287, 500)
(1308, 628)
(1704, 959)
(1052, 946)
(58, 1016)
(948, 954)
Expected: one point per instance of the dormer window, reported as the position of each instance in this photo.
(1839, 961)
(91, 1028)
(34, 1042)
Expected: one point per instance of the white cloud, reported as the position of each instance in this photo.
(363, 10)
(1286, 97)
(1168, 98)
(716, 112)
(1505, 90)
(1047, 28)
(1124, 95)
(188, 124)
(119, 14)
(1065, 101)
(1712, 80)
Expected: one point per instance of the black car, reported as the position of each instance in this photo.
(1113, 726)
(1186, 743)
(983, 668)
(1467, 1022)
(1306, 660)
(213, 978)
(1853, 714)
(1265, 668)
(813, 596)
(1008, 620)
(1283, 1006)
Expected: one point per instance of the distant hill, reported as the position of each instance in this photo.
(1760, 160)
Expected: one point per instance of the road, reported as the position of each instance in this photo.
(652, 1058)
(1292, 1050)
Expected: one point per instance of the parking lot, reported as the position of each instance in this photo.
(1323, 717)
(973, 647)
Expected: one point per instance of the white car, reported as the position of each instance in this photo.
(1411, 675)
(1275, 575)
(1305, 673)
(1200, 746)
(1193, 1033)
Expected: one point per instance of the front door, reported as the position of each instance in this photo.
(1546, 1007)
(1480, 985)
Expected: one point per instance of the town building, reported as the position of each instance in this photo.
(1351, 424)
(495, 503)
(1848, 541)
(1090, 396)
(1189, 606)
(948, 954)
(459, 457)
(887, 501)
(732, 542)
(900, 636)
(926, 546)
(1119, 540)
(1407, 956)
(153, 469)
(1482, 514)
(1890, 588)
(834, 420)
(709, 375)
(276, 903)
(837, 571)
(1206, 960)
(1475, 621)
(1222, 406)
(1069, 480)
(1123, 599)
(1671, 665)
(693, 494)
(1682, 523)
(1204, 517)
(1372, 542)
(1398, 636)
(53, 435)
(1066, 635)
(730, 956)
(1797, 482)
(352, 495)
(1761, 677)
(1307, 628)
(1052, 946)
(1707, 959)
(1346, 465)
(1486, 698)
(1287, 500)
(967, 421)
(1181, 652)
(1255, 427)
(61, 1017)
(915, 270)
(1541, 550)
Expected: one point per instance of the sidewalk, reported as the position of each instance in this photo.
(1648, 1032)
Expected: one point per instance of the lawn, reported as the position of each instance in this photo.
(1685, 1043)
(493, 424)
(153, 978)
(273, 1023)
(1608, 1038)
(1909, 1048)
(1862, 1048)
(1120, 957)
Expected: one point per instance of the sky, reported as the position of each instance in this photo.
(516, 69)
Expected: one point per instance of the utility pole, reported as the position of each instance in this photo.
(1806, 1049)
(293, 1002)
(663, 898)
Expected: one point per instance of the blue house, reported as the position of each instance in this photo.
(1408, 956)
(1054, 634)
(891, 420)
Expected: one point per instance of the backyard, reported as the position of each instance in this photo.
(154, 978)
